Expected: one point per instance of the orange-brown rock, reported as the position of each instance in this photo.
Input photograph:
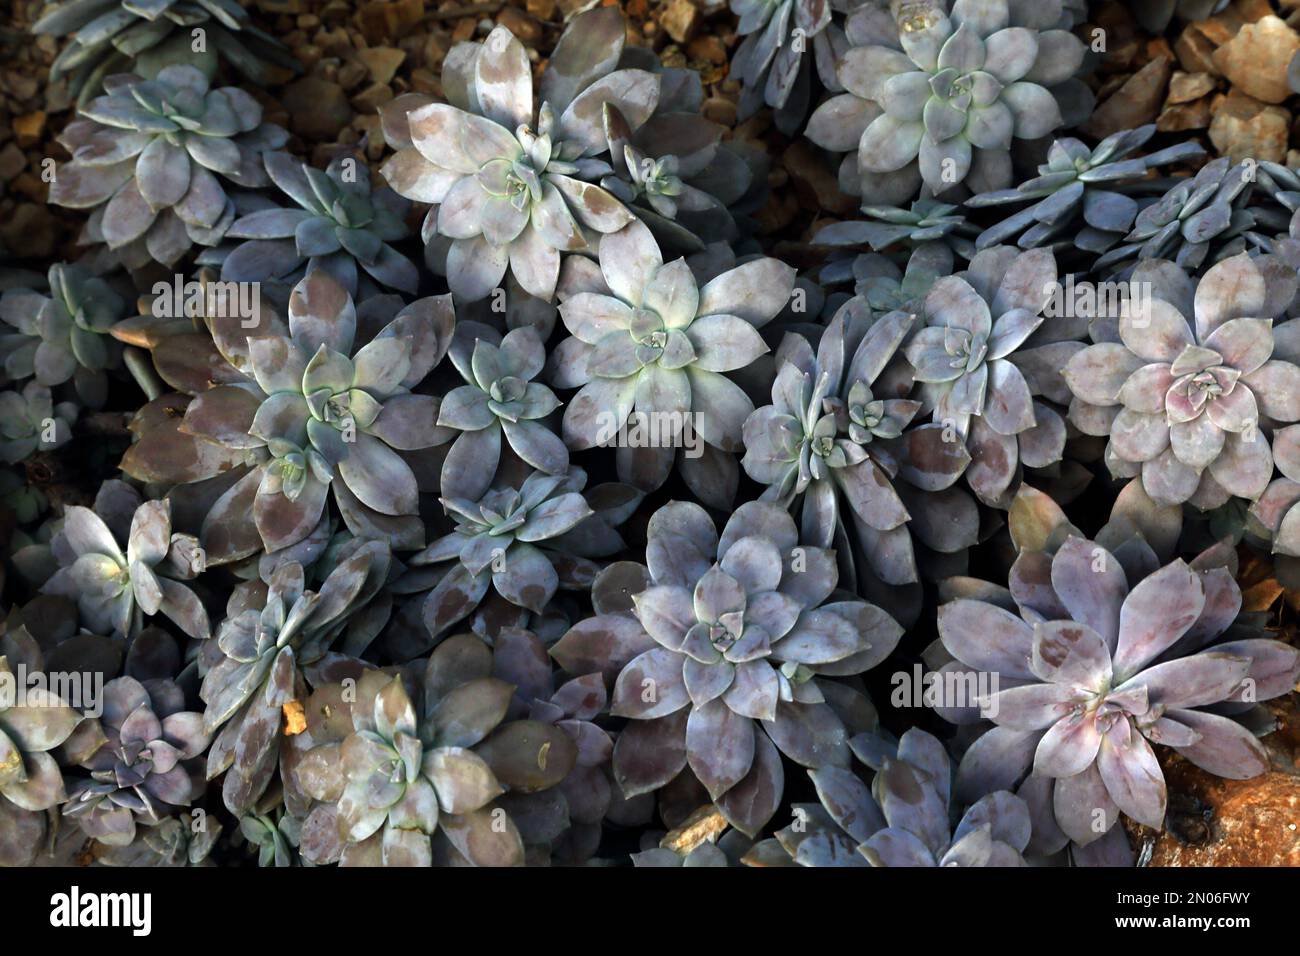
(1186, 87)
(1184, 116)
(1256, 59)
(1194, 50)
(1245, 128)
(29, 128)
(1216, 822)
(680, 20)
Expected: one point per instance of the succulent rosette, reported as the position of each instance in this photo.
(1274, 516)
(567, 818)
(965, 359)
(417, 774)
(1093, 671)
(834, 446)
(649, 347)
(675, 171)
(1200, 220)
(903, 818)
(771, 63)
(1186, 403)
(505, 176)
(106, 35)
(1077, 182)
(942, 100)
(720, 664)
(144, 770)
(31, 421)
(343, 225)
(115, 590)
(63, 336)
(147, 157)
(253, 664)
(880, 285)
(499, 543)
(326, 403)
(171, 843)
(500, 403)
(31, 728)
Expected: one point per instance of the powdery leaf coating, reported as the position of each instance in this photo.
(1087, 688)
(942, 102)
(738, 647)
(649, 350)
(342, 226)
(506, 186)
(902, 818)
(504, 541)
(102, 34)
(116, 590)
(324, 403)
(142, 772)
(1190, 392)
(151, 154)
(965, 358)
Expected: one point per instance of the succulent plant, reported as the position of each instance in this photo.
(498, 542)
(1078, 182)
(25, 502)
(325, 403)
(1184, 402)
(904, 817)
(707, 853)
(925, 222)
(508, 193)
(1274, 513)
(648, 347)
(500, 400)
(142, 772)
(993, 831)
(342, 226)
(564, 821)
(942, 101)
(963, 358)
(414, 780)
(1095, 670)
(31, 781)
(63, 336)
(535, 669)
(668, 164)
(1205, 219)
(770, 61)
(116, 591)
(275, 839)
(675, 172)
(254, 662)
(146, 157)
(30, 421)
(107, 35)
(721, 668)
(878, 282)
(67, 647)
(172, 842)
(832, 446)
